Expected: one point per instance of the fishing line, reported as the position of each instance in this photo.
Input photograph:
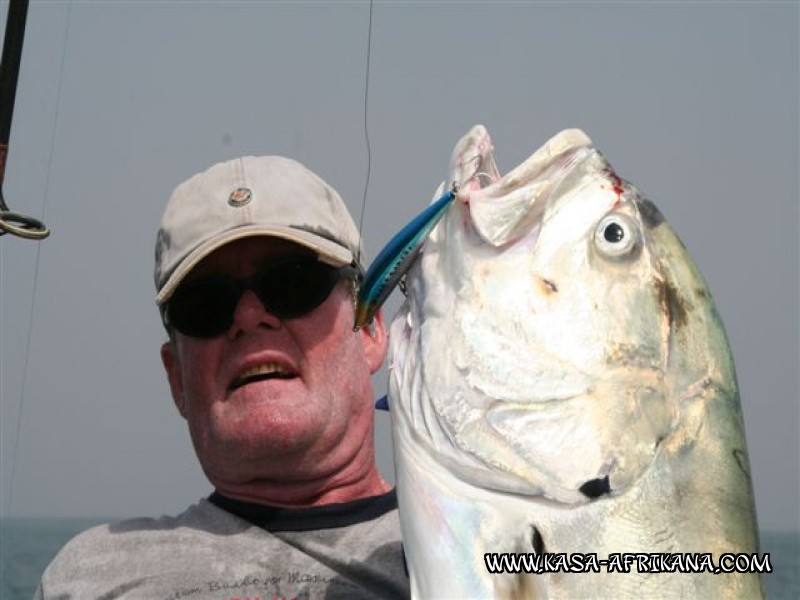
(36, 268)
(366, 136)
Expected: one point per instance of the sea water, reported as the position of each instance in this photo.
(28, 545)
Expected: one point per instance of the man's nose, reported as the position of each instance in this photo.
(251, 314)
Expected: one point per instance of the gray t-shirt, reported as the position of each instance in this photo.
(220, 549)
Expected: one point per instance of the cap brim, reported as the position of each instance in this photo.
(328, 251)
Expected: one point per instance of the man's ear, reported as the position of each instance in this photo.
(172, 365)
(375, 341)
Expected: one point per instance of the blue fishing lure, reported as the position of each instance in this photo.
(396, 258)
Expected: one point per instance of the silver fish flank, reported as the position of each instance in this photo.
(561, 383)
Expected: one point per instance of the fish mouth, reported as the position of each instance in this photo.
(555, 157)
(504, 208)
(262, 372)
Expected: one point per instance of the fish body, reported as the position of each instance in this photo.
(561, 383)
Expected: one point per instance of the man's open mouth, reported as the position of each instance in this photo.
(262, 373)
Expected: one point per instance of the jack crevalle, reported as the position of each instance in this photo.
(561, 383)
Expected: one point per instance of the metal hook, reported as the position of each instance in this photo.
(456, 186)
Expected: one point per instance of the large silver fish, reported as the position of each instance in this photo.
(561, 383)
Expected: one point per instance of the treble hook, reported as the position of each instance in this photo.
(12, 222)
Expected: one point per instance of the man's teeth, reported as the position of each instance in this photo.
(262, 372)
(267, 369)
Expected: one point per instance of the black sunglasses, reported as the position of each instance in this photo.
(204, 307)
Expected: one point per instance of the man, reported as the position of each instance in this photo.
(257, 261)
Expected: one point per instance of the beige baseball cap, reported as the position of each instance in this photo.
(251, 196)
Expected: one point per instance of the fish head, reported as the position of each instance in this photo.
(541, 323)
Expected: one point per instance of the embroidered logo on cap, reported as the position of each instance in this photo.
(240, 196)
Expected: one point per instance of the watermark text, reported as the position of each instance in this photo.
(626, 562)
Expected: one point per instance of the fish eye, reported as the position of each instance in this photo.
(616, 236)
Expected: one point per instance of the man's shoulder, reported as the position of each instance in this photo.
(116, 542)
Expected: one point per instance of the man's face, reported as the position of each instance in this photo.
(314, 420)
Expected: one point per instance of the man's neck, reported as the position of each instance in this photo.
(306, 493)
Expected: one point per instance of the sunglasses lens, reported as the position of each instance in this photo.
(204, 308)
(297, 287)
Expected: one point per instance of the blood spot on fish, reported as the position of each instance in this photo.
(537, 542)
(616, 185)
(594, 488)
(649, 213)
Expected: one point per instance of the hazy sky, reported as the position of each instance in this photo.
(695, 103)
